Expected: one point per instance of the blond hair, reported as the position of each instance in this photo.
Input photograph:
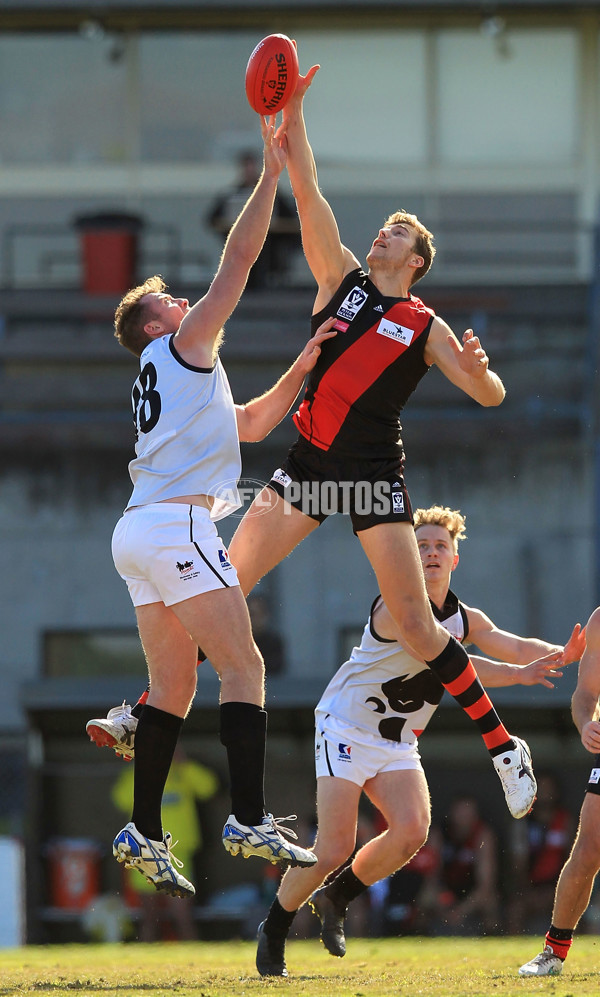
(423, 240)
(438, 515)
(132, 315)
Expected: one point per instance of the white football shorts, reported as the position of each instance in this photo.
(168, 552)
(357, 755)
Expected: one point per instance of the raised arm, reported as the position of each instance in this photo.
(517, 650)
(327, 258)
(258, 417)
(497, 674)
(202, 325)
(467, 366)
(584, 704)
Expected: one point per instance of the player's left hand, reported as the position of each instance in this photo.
(575, 645)
(538, 671)
(275, 145)
(471, 357)
(312, 351)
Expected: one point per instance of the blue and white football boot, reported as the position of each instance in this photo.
(153, 859)
(266, 840)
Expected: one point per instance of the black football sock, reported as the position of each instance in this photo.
(457, 674)
(345, 888)
(155, 741)
(279, 920)
(244, 733)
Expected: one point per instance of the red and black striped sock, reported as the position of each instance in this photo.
(560, 941)
(458, 676)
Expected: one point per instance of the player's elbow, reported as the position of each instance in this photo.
(493, 398)
(252, 430)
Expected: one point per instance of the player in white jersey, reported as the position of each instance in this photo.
(182, 584)
(367, 725)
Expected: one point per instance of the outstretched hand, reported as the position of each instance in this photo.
(305, 81)
(312, 351)
(471, 357)
(575, 645)
(538, 671)
(275, 145)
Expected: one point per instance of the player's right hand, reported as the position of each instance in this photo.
(590, 736)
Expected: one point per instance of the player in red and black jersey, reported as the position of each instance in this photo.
(349, 457)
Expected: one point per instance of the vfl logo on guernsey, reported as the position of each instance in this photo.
(398, 332)
(352, 303)
(397, 502)
(595, 775)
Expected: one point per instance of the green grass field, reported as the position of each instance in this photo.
(408, 967)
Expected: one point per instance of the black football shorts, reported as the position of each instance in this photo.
(320, 484)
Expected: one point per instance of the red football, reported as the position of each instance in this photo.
(271, 74)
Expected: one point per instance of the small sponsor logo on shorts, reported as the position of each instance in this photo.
(281, 477)
(397, 501)
(398, 332)
(185, 567)
(595, 776)
(224, 559)
(352, 303)
(318, 750)
(345, 751)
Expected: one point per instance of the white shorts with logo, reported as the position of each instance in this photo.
(168, 552)
(353, 754)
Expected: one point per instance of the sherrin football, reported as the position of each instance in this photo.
(271, 74)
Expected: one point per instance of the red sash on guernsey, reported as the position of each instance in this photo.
(320, 419)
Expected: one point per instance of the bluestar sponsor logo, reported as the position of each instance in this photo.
(400, 333)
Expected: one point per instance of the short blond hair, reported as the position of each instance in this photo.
(438, 515)
(423, 240)
(131, 315)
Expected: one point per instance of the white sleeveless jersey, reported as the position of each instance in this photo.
(187, 438)
(382, 690)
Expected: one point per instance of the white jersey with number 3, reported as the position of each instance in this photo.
(187, 438)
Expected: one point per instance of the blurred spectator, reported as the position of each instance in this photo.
(270, 643)
(406, 902)
(283, 238)
(468, 899)
(540, 846)
(188, 784)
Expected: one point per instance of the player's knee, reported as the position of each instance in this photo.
(245, 661)
(411, 835)
(412, 623)
(586, 851)
(333, 854)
